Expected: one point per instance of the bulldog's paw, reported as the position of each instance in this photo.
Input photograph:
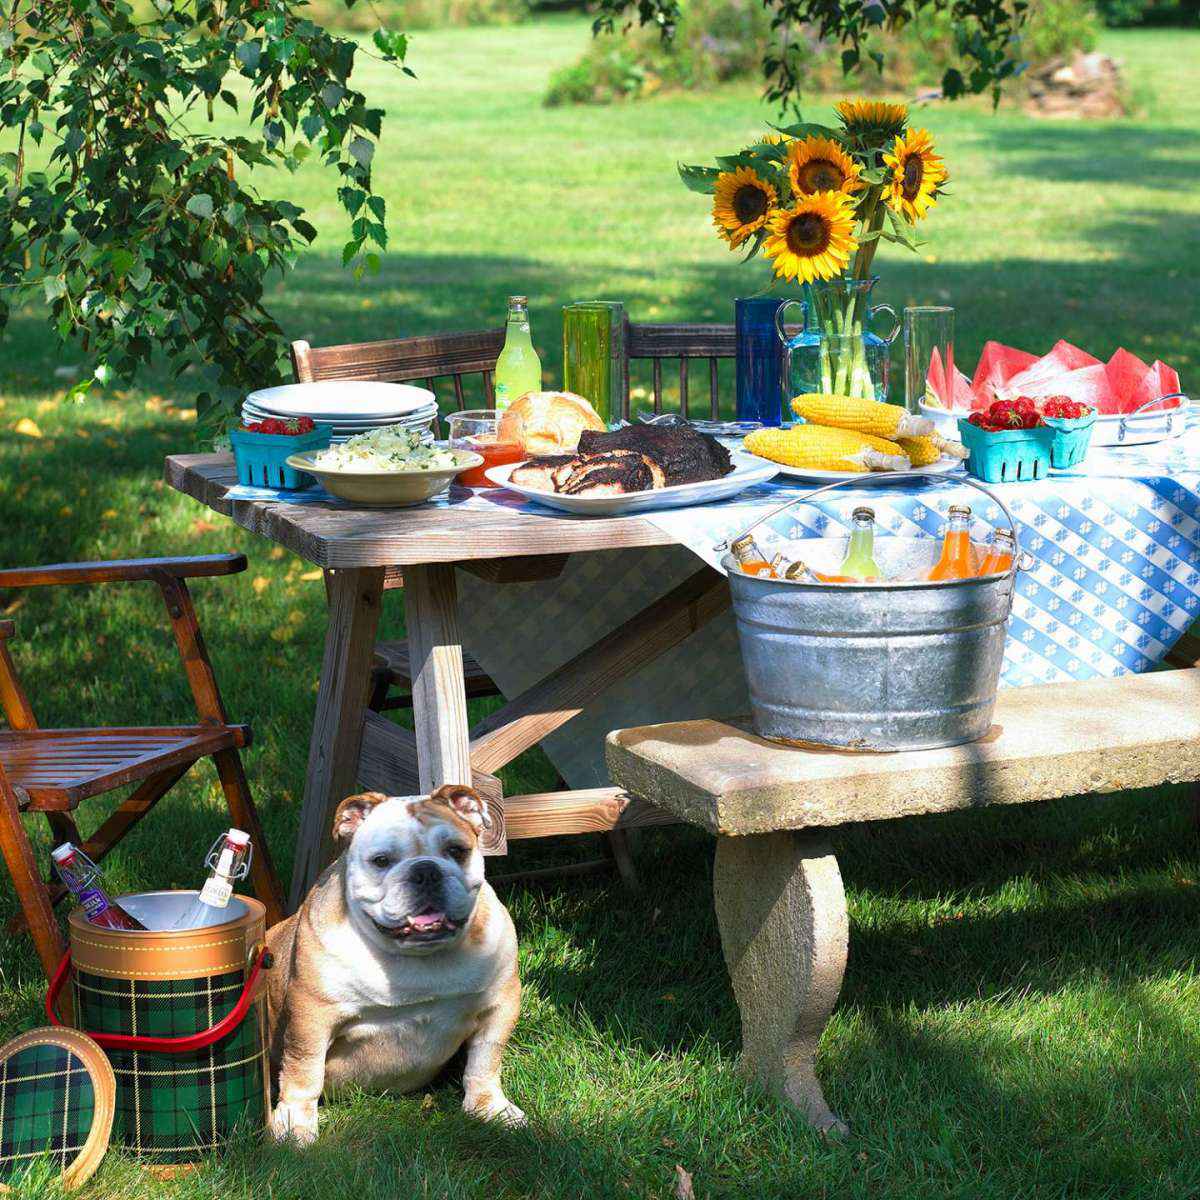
(295, 1121)
(495, 1106)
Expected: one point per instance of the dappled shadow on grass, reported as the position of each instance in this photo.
(1113, 152)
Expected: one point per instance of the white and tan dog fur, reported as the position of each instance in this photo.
(400, 955)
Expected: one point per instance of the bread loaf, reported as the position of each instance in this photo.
(548, 422)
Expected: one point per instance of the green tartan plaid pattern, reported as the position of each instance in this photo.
(175, 1107)
(47, 1105)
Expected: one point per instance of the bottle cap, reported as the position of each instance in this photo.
(63, 853)
(960, 510)
(742, 543)
(519, 301)
(237, 838)
(864, 514)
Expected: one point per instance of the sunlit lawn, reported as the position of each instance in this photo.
(1022, 1011)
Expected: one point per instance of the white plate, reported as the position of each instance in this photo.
(747, 471)
(412, 418)
(944, 466)
(1154, 425)
(342, 399)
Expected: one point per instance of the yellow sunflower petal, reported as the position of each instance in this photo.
(742, 201)
(877, 116)
(814, 238)
(819, 164)
(917, 175)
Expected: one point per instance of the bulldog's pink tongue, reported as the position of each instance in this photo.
(427, 920)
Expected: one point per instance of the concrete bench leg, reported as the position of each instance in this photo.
(781, 910)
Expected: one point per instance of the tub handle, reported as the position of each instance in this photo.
(1123, 427)
(167, 1045)
(1021, 559)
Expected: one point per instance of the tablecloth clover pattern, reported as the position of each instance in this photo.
(47, 1107)
(174, 1107)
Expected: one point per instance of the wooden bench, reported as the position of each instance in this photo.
(777, 888)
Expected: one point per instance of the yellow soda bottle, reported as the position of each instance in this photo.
(859, 562)
(518, 369)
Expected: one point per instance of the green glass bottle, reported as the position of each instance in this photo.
(859, 562)
(518, 369)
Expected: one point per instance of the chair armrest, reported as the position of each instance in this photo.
(7, 629)
(124, 570)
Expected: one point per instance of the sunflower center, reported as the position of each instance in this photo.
(820, 175)
(808, 234)
(749, 204)
(914, 173)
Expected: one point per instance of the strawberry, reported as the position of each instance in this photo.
(1065, 407)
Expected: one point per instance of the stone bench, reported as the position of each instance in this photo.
(781, 908)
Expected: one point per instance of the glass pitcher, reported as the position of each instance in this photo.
(836, 349)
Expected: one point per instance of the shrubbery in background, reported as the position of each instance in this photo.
(718, 40)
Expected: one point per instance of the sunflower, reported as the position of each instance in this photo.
(742, 200)
(775, 139)
(917, 175)
(872, 116)
(814, 238)
(819, 164)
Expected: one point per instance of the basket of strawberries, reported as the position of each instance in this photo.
(1013, 440)
(261, 450)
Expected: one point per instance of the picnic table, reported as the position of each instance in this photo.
(606, 623)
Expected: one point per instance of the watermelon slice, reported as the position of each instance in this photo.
(1038, 376)
(1089, 385)
(962, 397)
(935, 377)
(1168, 382)
(997, 365)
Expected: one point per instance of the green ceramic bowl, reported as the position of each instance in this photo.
(387, 489)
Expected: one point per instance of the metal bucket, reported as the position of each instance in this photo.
(906, 665)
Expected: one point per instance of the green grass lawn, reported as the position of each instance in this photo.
(1021, 1015)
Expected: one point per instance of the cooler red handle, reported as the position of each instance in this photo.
(167, 1045)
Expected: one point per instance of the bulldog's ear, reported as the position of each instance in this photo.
(465, 801)
(352, 812)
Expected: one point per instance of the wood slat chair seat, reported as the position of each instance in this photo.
(54, 770)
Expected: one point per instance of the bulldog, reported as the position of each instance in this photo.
(400, 955)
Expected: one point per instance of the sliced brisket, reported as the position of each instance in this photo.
(684, 454)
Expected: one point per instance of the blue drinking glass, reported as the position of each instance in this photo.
(759, 360)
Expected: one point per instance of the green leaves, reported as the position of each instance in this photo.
(140, 229)
(200, 205)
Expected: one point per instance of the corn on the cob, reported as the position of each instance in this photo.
(926, 450)
(821, 449)
(865, 416)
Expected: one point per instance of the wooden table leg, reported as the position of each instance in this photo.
(784, 930)
(354, 600)
(438, 684)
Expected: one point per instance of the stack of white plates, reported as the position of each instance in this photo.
(349, 406)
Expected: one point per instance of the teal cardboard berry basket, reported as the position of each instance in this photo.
(1072, 436)
(1010, 456)
(262, 457)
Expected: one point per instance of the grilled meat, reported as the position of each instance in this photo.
(615, 473)
(539, 472)
(684, 454)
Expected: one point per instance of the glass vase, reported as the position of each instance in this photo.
(837, 351)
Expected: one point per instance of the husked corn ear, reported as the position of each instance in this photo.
(822, 449)
(866, 416)
(927, 450)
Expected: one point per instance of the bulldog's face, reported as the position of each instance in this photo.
(413, 866)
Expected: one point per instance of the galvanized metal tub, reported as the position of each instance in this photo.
(907, 665)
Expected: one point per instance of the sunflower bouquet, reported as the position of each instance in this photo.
(816, 201)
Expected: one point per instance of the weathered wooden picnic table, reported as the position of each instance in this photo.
(781, 907)
(365, 552)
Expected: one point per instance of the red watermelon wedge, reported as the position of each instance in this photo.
(962, 397)
(997, 365)
(1168, 382)
(1038, 376)
(1132, 382)
(935, 377)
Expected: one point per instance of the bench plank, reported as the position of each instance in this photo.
(1062, 739)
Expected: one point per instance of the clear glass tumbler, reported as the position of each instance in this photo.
(928, 356)
(477, 429)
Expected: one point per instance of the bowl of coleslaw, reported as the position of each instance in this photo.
(385, 467)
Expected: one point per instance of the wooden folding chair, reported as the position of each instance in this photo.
(53, 771)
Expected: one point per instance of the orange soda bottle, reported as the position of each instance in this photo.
(955, 560)
(749, 557)
(999, 557)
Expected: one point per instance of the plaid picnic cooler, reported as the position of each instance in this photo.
(182, 1018)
